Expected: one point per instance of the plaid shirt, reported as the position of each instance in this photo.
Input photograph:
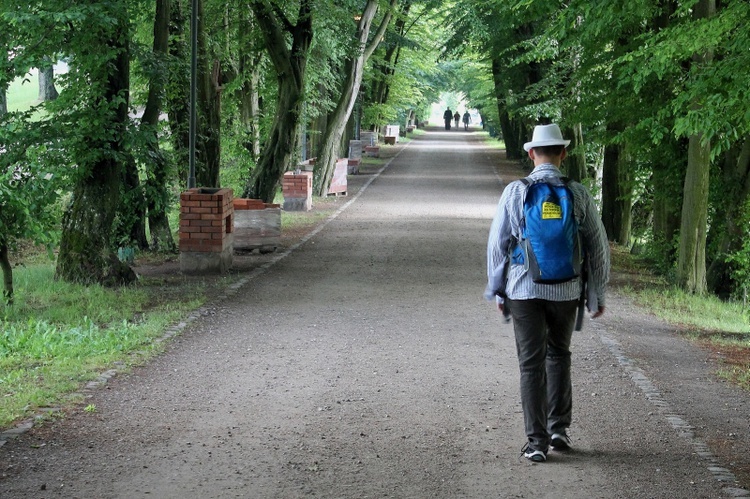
(506, 229)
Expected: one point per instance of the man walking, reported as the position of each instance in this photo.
(448, 117)
(544, 314)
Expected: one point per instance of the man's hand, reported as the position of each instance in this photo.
(598, 313)
(502, 309)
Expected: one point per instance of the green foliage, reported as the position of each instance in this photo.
(29, 185)
(412, 75)
(740, 260)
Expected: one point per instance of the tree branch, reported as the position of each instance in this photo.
(381, 30)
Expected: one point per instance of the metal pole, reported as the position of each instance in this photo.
(193, 88)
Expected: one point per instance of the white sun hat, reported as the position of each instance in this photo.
(546, 135)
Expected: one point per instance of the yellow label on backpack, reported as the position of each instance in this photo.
(551, 211)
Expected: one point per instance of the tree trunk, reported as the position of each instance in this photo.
(513, 147)
(47, 90)
(157, 193)
(667, 198)
(353, 71)
(248, 94)
(86, 254)
(249, 99)
(4, 261)
(575, 162)
(666, 207)
(7, 274)
(281, 144)
(132, 209)
(178, 97)
(385, 70)
(290, 65)
(691, 263)
(208, 139)
(616, 195)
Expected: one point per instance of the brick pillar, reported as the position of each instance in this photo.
(206, 230)
(297, 191)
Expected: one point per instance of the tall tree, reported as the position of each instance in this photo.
(353, 70)
(691, 265)
(178, 86)
(616, 194)
(208, 133)
(47, 90)
(290, 62)
(157, 168)
(86, 253)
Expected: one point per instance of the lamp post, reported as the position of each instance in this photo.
(193, 89)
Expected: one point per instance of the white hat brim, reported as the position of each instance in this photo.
(541, 143)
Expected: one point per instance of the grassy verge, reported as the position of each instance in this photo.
(720, 326)
(59, 335)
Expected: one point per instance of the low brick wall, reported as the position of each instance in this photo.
(206, 230)
(297, 191)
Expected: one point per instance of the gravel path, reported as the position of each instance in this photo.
(366, 364)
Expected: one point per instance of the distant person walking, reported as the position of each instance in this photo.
(448, 117)
(467, 119)
(544, 311)
(456, 118)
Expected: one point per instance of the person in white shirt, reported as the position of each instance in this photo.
(544, 315)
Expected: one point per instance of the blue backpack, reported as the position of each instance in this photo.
(550, 245)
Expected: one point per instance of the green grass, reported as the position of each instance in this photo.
(707, 314)
(491, 141)
(59, 335)
(720, 326)
(23, 93)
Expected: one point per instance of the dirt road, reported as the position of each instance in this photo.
(366, 364)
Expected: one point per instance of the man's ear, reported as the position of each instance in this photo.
(564, 154)
(531, 154)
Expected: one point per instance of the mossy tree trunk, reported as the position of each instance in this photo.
(691, 262)
(86, 254)
(178, 88)
(208, 130)
(617, 195)
(157, 194)
(290, 64)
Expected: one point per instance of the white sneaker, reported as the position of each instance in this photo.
(560, 441)
(533, 455)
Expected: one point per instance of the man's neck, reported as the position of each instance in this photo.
(547, 160)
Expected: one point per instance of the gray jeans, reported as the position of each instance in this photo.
(543, 332)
